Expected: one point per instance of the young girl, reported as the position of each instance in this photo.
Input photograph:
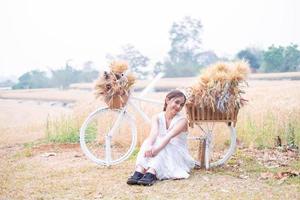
(164, 154)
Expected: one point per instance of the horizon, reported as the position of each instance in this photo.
(42, 34)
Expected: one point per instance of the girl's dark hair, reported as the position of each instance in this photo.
(173, 94)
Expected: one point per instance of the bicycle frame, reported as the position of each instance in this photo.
(144, 116)
(136, 107)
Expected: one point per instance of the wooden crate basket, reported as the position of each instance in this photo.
(207, 114)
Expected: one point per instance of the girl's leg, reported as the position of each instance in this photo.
(151, 170)
(149, 178)
(137, 175)
(140, 169)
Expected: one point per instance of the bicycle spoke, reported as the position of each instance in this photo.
(108, 150)
(116, 124)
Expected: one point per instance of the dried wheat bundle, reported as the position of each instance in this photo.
(114, 86)
(220, 86)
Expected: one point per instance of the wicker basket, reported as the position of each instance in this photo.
(117, 101)
(207, 114)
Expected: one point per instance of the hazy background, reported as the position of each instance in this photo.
(38, 34)
(51, 52)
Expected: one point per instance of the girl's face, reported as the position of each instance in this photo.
(175, 104)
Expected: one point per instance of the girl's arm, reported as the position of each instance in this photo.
(152, 136)
(154, 131)
(177, 129)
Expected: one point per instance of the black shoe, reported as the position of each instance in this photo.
(148, 179)
(133, 180)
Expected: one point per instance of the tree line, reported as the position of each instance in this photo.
(60, 78)
(185, 58)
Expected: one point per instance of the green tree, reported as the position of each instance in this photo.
(59, 78)
(183, 57)
(253, 56)
(137, 62)
(158, 67)
(273, 59)
(281, 59)
(64, 77)
(292, 58)
(208, 57)
(33, 79)
(7, 83)
(88, 73)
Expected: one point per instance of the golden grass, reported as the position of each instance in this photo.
(49, 94)
(22, 122)
(276, 76)
(271, 103)
(272, 107)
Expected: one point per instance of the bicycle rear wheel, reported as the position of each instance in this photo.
(108, 136)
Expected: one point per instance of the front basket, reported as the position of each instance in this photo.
(117, 101)
(207, 114)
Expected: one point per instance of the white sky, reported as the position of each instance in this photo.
(41, 34)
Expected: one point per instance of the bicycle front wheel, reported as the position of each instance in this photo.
(108, 136)
(220, 143)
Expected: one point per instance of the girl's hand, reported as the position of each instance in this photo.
(151, 153)
(148, 152)
(154, 151)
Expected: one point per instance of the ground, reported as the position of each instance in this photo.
(48, 171)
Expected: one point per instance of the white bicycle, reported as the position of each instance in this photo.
(109, 136)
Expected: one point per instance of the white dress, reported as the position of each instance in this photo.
(174, 160)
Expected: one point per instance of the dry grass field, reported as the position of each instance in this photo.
(24, 121)
(34, 168)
